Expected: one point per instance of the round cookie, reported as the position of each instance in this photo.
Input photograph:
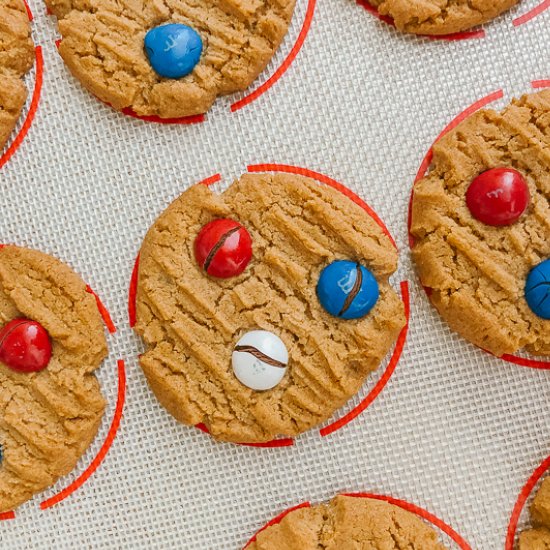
(477, 273)
(16, 59)
(103, 46)
(191, 321)
(538, 538)
(437, 17)
(349, 522)
(47, 418)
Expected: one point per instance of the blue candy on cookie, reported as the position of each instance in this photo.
(537, 289)
(173, 49)
(347, 289)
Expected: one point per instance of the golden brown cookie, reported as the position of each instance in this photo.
(476, 272)
(47, 418)
(103, 46)
(191, 322)
(535, 539)
(348, 523)
(538, 538)
(437, 17)
(16, 59)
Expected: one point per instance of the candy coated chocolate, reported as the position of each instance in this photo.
(537, 289)
(173, 50)
(498, 196)
(347, 289)
(260, 360)
(25, 346)
(223, 248)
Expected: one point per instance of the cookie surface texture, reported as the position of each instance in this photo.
(49, 418)
(16, 59)
(436, 17)
(191, 322)
(477, 273)
(103, 46)
(349, 523)
(538, 538)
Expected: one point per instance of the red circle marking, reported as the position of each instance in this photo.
(103, 311)
(193, 119)
(28, 10)
(267, 444)
(386, 375)
(416, 510)
(18, 140)
(398, 350)
(520, 502)
(7, 515)
(132, 292)
(100, 457)
(463, 35)
(531, 14)
(310, 10)
(422, 171)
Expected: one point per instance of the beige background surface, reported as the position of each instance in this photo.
(455, 431)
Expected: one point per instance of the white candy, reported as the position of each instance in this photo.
(260, 360)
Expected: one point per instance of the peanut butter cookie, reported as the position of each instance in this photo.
(51, 342)
(170, 59)
(229, 304)
(481, 224)
(16, 59)
(436, 17)
(538, 538)
(348, 523)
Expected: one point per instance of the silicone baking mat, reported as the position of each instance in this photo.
(447, 428)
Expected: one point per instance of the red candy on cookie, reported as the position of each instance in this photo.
(223, 248)
(25, 346)
(498, 196)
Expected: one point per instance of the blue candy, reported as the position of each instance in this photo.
(173, 50)
(537, 289)
(347, 289)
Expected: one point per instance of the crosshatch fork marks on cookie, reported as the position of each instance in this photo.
(277, 292)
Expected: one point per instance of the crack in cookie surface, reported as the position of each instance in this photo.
(349, 522)
(16, 59)
(103, 47)
(477, 272)
(49, 418)
(438, 17)
(191, 322)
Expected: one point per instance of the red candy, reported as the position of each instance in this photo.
(223, 248)
(498, 196)
(25, 346)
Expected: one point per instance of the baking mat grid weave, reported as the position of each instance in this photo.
(455, 430)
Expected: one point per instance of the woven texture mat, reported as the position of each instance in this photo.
(455, 430)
